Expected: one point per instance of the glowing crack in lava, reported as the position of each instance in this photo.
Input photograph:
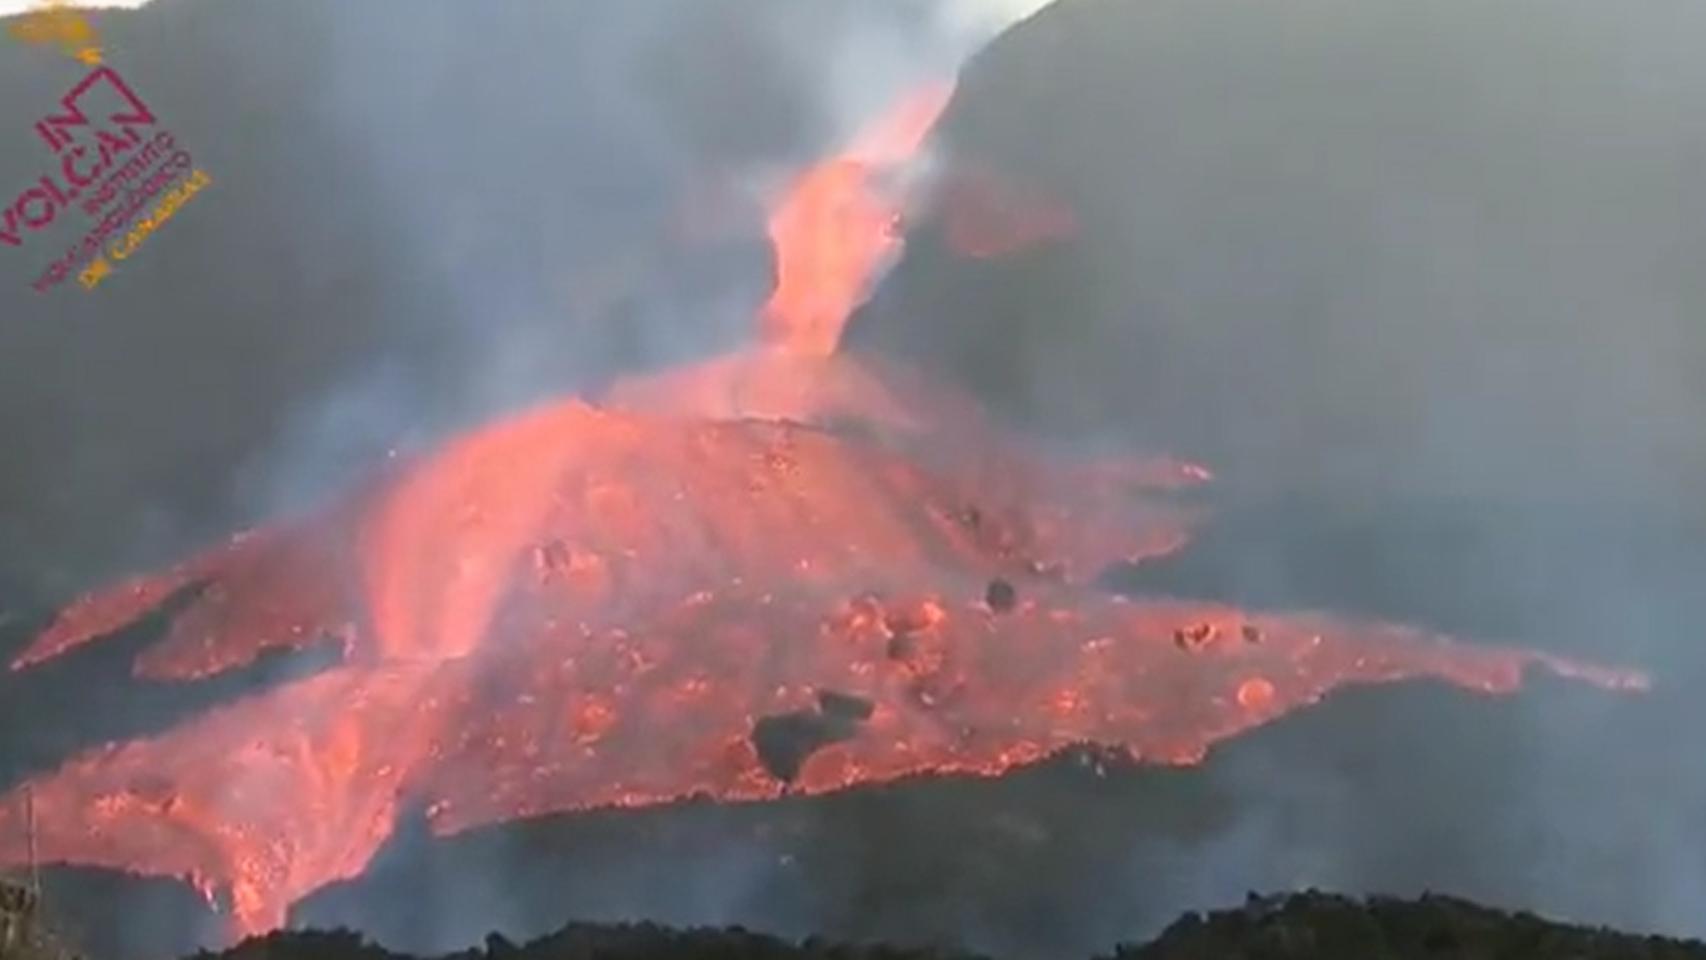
(790, 568)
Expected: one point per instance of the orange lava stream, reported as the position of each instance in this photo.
(585, 605)
(834, 227)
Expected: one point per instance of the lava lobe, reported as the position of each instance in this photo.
(790, 568)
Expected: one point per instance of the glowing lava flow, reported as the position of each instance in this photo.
(834, 227)
(789, 566)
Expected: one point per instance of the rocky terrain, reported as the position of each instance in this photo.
(1308, 926)
(1316, 926)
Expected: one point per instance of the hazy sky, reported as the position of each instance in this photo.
(1006, 9)
(9, 7)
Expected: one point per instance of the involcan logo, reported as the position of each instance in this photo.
(111, 159)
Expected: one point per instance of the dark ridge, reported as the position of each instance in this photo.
(1306, 926)
(643, 941)
(1320, 926)
(1257, 279)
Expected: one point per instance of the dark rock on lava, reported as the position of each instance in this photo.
(844, 706)
(784, 741)
(1194, 637)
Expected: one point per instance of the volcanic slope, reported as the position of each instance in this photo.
(579, 606)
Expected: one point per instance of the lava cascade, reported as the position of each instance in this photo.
(835, 225)
(788, 568)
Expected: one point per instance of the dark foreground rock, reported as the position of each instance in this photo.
(1317, 925)
(586, 942)
(1309, 925)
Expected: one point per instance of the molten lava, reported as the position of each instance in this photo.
(787, 567)
(835, 226)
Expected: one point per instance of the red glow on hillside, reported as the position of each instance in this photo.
(579, 605)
